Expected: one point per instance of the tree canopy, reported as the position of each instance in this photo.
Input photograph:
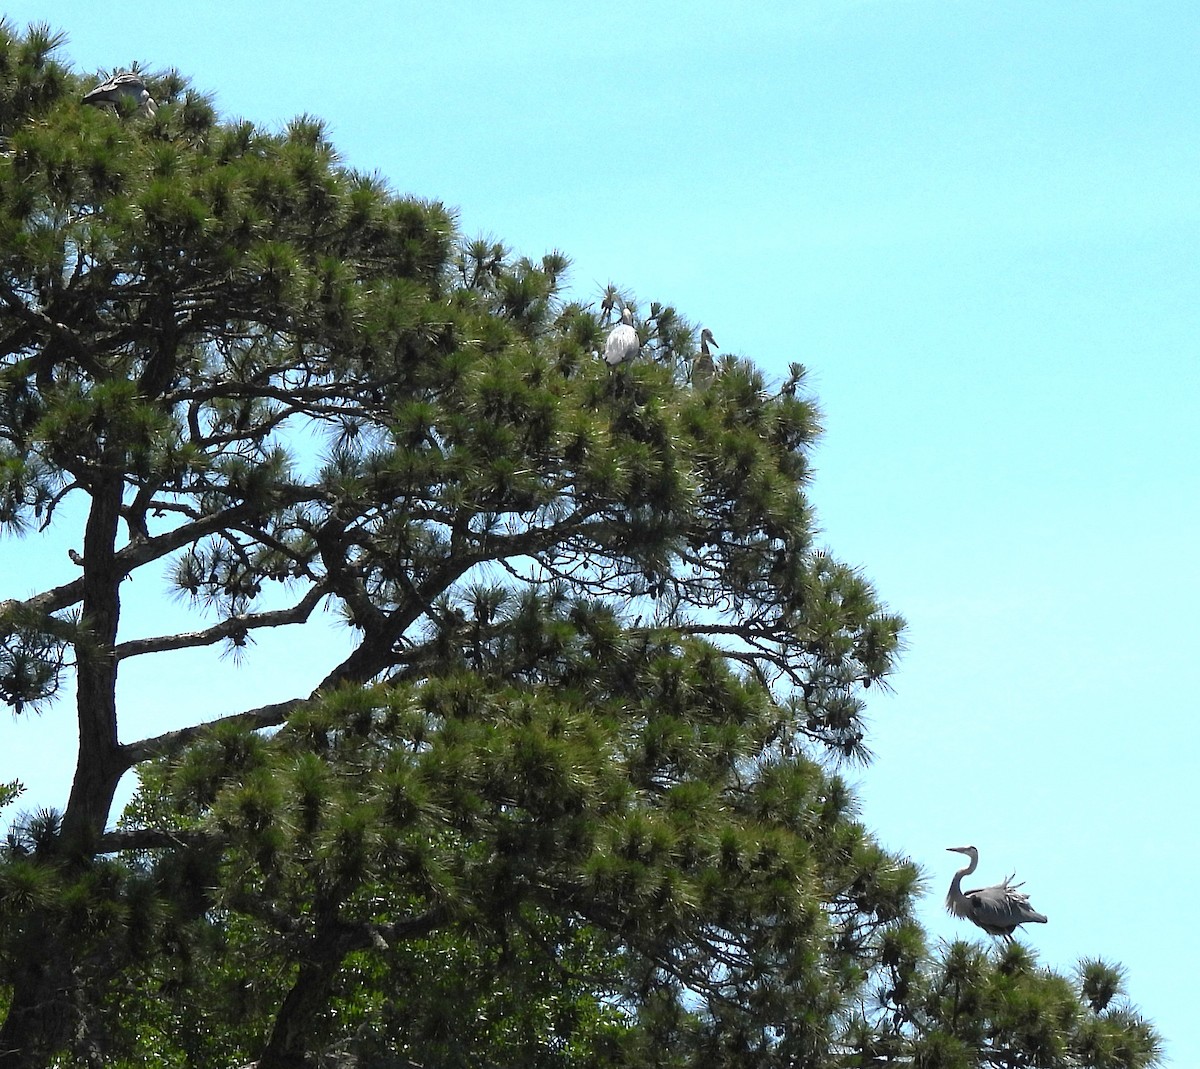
(572, 797)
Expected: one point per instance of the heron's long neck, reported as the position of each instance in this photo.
(966, 870)
(956, 901)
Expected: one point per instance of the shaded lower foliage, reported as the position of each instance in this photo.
(547, 870)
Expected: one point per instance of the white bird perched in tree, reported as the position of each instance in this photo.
(125, 85)
(998, 909)
(623, 341)
(703, 369)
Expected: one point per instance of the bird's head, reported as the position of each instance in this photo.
(970, 851)
(706, 336)
(627, 316)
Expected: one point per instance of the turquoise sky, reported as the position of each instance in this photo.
(978, 223)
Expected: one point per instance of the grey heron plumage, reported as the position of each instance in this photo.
(623, 342)
(123, 86)
(998, 909)
(703, 368)
(607, 303)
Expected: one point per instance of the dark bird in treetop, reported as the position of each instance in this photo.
(998, 910)
(123, 86)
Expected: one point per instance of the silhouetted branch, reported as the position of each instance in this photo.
(235, 625)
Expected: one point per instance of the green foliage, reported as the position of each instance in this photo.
(1004, 1011)
(573, 796)
(607, 828)
(10, 792)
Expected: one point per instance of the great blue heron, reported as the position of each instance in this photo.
(703, 369)
(623, 342)
(607, 303)
(998, 910)
(125, 85)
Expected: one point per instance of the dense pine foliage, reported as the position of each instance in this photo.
(572, 797)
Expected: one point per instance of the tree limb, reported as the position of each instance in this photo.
(265, 716)
(113, 842)
(234, 625)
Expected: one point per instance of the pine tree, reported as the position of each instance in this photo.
(572, 798)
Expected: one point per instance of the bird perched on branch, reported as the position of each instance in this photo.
(703, 369)
(998, 910)
(607, 303)
(623, 341)
(121, 87)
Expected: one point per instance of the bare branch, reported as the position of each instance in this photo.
(234, 625)
(112, 842)
(49, 601)
(140, 553)
(265, 716)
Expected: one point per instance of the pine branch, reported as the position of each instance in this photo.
(60, 332)
(137, 554)
(233, 626)
(113, 842)
(171, 742)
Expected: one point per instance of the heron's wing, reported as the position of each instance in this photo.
(118, 83)
(124, 85)
(622, 344)
(103, 94)
(1001, 906)
(102, 91)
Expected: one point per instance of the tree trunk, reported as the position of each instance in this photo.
(292, 1035)
(41, 1017)
(100, 764)
(39, 1020)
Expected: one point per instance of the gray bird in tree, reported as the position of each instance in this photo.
(703, 369)
(123, 86)
(998, 910)
(623, 341)
(607, 303)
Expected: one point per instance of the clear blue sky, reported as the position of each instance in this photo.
(978, 223)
